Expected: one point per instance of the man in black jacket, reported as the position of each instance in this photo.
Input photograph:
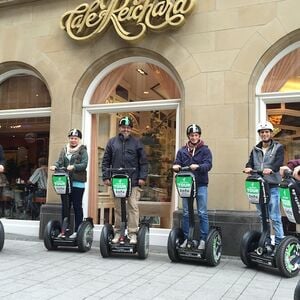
(125, 151)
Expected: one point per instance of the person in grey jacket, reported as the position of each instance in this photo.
(268, 156)
(126, 151)
(74, 158)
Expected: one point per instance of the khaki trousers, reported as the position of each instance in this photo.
(132, 210)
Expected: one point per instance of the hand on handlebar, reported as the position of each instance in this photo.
(107, 182)
(176, 168)
(267, 171)
(52, 168)
(248, 170)
(141, 182)
(193, 167)
(70, 167)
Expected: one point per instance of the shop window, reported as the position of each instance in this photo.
(25, 140)
(156, 127)
(136, 82)
(282, 107)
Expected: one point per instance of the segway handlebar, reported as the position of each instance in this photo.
(186, 168)
(120, 169)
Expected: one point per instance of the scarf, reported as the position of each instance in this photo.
(191, 148)
(70, 151)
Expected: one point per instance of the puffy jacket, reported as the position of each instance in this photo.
(272, 159)
(202, 157)
(79, 160)
(125, 153)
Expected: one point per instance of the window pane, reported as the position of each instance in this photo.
(285, 75)
(24, 141)
(24, 91)
(286, 121)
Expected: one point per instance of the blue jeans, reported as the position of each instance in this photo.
(201, 198)
(274, 214)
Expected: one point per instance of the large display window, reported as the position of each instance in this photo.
(279, 99)
(128, 90)
(24, 136)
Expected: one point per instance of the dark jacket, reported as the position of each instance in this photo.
(272, 159)
(79, 160)
(202, 157)
(125, 153)
(2, 159)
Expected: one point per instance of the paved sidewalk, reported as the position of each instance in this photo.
(29, 271)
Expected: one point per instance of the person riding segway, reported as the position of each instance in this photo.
(193, 161)
(256, 248)
(69, 181)
(125, 152)
(2, 234)
(121, 187)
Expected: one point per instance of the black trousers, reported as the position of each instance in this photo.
(75, 199)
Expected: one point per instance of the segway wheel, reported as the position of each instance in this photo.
(288, 256)
(2, 236)
(175, 239)
(106, 236)
(143, 242)
(297, 291)
(52, 230)
(249, 244)
(85, 236)
(213, 249)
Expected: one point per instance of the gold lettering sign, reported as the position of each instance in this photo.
(130, 18)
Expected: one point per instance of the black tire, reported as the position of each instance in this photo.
(85, 236)
(2, 236)
(106, 236)
(248, 244)
(213, 249)
(297, 291)
(287, 256)
(175, 239)
(52, 230)
(143, 242)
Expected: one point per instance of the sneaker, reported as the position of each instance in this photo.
(116, 238)
(201, 245)
(133, 239)
(61, 235)
(73, 235)
(183, 245)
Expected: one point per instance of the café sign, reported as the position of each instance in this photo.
(130, 18)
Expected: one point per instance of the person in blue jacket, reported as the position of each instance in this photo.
(196, 155)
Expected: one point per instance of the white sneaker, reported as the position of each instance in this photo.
(116, 238)
(133, 239)
(183, 245)
(73, 235)
(201, 245)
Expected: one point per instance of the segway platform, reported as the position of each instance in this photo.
(52, 239)
(121, 187)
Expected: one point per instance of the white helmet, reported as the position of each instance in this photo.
(264, 126)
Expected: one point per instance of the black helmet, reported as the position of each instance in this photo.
(75, 132)
(126, 121)
(193, 128)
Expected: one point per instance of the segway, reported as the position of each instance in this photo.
(57, 234)
(186, 188)
(2, 236)
(121, 187)
(288, 253)
(256, 248)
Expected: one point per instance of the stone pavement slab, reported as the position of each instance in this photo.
(29, 271)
